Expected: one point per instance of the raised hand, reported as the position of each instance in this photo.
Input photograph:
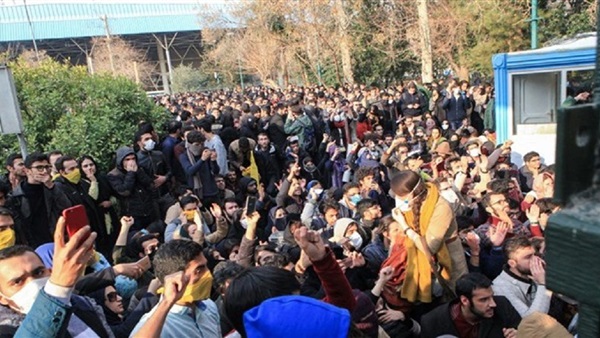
(533, 214)
(216, 211)
(538, 270)
(386, 274)
(311, 243)
(498, 234)
(174, 287)
(71, 258)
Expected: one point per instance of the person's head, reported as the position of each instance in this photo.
(364, 176)
(368, 209)
(253, 286)
(186, 256)
(547, 207)
(87, 165)
(53, 156)
(495, 204)
(15, 165)
(7, 231)
(231, 207)
(113, 301)
(68, 168)
(476, 296)
(410, 191)
(414, 163)
(352, 194)
(224, 272)
(220, 182)
(454, 165)
(263, 140)
(412, 88)
(388, 228)
(22, 275)
(145, 140)
(519, 251)
(37, 168)
(330, 210)
(174, 127)
(436, 133)
(532, 160)
(473, 148)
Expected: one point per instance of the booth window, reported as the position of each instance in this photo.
(536, 98)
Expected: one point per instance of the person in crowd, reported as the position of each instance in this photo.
(36, 203)
(16, 171)
(133, 188)
(213, 143)
(200, 165)
(8, 236)
(530, 170)
(523, 279)
(477, 312)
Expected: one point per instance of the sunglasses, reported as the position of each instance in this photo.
(112, 296)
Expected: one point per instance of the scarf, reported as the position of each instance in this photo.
(412, 271)
(197, 182)
(252, 170)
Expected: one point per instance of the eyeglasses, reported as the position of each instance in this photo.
(502, 201)
(112, 296)
(42, 167)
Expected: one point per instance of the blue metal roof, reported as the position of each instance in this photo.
(70, 20)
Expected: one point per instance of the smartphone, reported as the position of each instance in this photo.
(250, 205)
(75, 219)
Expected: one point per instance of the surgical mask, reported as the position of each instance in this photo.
(195, 149)
(356, 240)
(74, 176)
(25, 297)
(445, 126)
(337, 118)
(7, 238)
(244, 223)
(310, 168)
(474, 152)
(318, 191)
(149, 145)
(390, 101)
(355, 199)
(403, 205)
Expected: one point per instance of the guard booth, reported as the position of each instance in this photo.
(531, 86)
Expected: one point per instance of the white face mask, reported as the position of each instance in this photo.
(318, 191)
(445, 126)
(450, 196)
(244, 223)
(474, 152)
(25, 297)
(149, 145)
(356, 240)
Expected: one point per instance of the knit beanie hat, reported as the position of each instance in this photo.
(296, 316)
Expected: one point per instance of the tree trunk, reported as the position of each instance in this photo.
(426, 54)
(345, 48)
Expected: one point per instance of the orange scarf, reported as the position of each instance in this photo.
(417, 283)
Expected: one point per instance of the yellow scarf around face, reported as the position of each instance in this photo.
(252, 170)
(418, 282)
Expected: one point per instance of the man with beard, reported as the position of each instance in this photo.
(523, 281)
(16, 170)
(475, 313)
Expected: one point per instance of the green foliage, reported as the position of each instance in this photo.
(558, 21)
(65, 108)
(188, 79)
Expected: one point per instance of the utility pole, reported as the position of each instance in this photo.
(426, 53)
(534, 24)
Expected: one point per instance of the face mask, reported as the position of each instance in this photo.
(195, 149)
(403, 205)
(244, 223)
(149, 145)
(449, 196)
(280, 223)
(189, 214)
(356, 240)
(25, 297)
(7, 238)
(74, 176)
(199, 290)
(390, 101)
(474, 152)
(355, 199)
(445, 126)
(318, 191)
(310, 168)
(337, 118)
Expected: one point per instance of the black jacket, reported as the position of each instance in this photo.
(133, 189)
(78, 194)
(55, 202)
(439, 322)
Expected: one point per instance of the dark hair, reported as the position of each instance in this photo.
(463, 222)
(449, 161)
(185, 200)
(174, 256)
(35, 157)
(527, 157)
(195, 136)
(226, 270)
(486, 200)
(349, 186)
(384, 224)
(16, 250)
(11, 159)
(5, 188)
(60, 162)
(500, 186)
(204, 124)
(86, 157)
(546, 205)
(405, 182)
(470, 282)
(513, 244)
(328, 204)
(253, 286)
(173, 126)
(363, 172)
(364, 205)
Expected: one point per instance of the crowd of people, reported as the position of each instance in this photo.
(306, 211)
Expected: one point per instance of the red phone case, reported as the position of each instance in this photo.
(75, 219)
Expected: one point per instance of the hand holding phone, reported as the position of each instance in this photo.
(250, 205)
(75, 219)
